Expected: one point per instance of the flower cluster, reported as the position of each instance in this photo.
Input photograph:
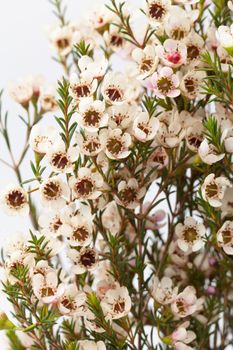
(133, 227)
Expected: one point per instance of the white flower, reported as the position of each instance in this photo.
(61, 40)
(181, 336)
(41, 138)
(114, 39)
(164, 83)
(82, 87)
(173, 53)
(71, 301)
(78, 229)
(170, 132)
(91, 345)
(21, 92)
(121, 116)
(111, 218)
(19, 258)
(48, 100)
(225, 37)
(227, 203)
(91, 143)
(163, 291)
(178, 22)
(195, 45)
(146, 60)
(158, 159)
(45, 283)
(213, 189)
(208, 153)
(60, 159)
(144, 127)
(114, 88)
(116, 303)
(225, 237)
(50, 224)
(91, 114)
(93, 68)
(227, 136)
(186, 303)
(117, 144)
(87, 185)
(84, 260)
(156, 10)
(191, 84)
(54, 193)
(190, 235)
(194, 135)
(129, 193)
(14, 200)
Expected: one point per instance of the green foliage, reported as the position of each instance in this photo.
(65, 104)
(218, 84)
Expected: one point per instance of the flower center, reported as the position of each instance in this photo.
(173, 57)
(51, 190)
(128, 195)
(80, 234)
(178, 33)
(144, 127)
(195, 141)
(192, 52)
(146, 65)
(190, 85)
(81, 90)
(116, 40)
(227, 236)
(164, 84)
(181, 306)
(60, 160)
(68, 303)
(190, 234)
(114, 94)
(156, 11)
(47, 291)
(63, 43)
(119, 306)
(56, 225)
(212, 190)
(88, 257)
(92, 117)
(114, 146)
(16, 199)
(84, 187)
(91, 145)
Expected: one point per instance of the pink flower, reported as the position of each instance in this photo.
(173, 52)
(164, 83)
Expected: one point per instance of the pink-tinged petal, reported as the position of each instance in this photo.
(173, 93)
(166, 72)
(179, 334)
(204, 148)
(175, 80)
(190, 221)
(182, 245)
(159, 215)
(197, 246)
(228, 250)
(171, 45)
(215, 203)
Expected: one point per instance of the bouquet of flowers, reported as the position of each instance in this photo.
(130, 199)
